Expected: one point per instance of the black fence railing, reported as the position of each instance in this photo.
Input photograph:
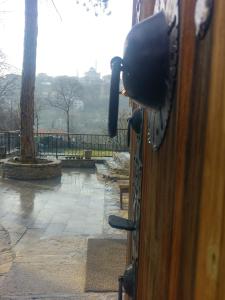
(68, 146)
(76, 145)
(9, 142)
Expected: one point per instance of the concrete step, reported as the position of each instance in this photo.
(103, 171)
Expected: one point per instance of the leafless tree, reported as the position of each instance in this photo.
(3, 64)
(5, 85)
(123, 117)
(65, 94)
(37, 110)
(8, 89)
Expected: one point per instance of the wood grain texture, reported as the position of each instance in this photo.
(185, 145)
(181, 180)
(193, 172)
(210, 279)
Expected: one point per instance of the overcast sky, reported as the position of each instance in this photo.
(70, 46)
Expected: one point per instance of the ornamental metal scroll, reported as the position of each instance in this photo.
(136, 198)
(158, 118)
(203, 16)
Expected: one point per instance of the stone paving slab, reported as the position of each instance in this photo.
(49, 224)
(5, 244)
(6, 253)
(24, 278)
(15, 231)
(38, 250)
(46, 265)
(80, 296)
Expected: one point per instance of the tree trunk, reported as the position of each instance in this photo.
(28, 82)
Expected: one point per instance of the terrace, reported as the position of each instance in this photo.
(55, 239)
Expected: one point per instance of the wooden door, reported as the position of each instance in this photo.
(182, 227)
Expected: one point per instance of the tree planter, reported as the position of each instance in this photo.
(43, 169)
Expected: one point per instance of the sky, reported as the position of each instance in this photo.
(69, 46)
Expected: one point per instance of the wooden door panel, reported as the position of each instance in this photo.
(181, 250)
(210, 279)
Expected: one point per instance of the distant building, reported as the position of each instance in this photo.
(91, 76)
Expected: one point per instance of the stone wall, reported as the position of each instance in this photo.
(21, 171)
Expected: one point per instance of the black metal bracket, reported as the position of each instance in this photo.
(127, 282)
(135, 122)
(120, 290)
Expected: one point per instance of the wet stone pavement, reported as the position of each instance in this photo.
(44, 229)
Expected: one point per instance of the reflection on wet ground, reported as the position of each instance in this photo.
(44, 217)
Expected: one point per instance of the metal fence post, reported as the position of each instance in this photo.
(8, 142)
(56, 147)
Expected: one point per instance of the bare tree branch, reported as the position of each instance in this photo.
(6, 86)
(66, 91)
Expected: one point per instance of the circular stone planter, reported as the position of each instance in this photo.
(43, 169)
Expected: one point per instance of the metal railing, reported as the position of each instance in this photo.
(75, 145)
(68, 146)
(9, 142)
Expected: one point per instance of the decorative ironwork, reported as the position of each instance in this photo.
(98, 6)
(158, 119)
(138, 11)
(203, 16)
(136, 196)
(128, 280)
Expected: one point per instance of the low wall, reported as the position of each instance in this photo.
(21, 171)
(80, 163)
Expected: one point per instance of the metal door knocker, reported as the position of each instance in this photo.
(148, 71)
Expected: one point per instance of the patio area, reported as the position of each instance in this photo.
(46, 227)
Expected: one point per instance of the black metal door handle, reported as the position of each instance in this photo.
(121, 223)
